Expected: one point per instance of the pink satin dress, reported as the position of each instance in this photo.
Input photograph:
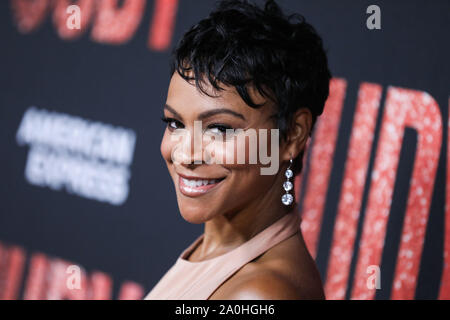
(197, 280)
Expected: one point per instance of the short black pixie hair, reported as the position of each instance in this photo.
(242, 45)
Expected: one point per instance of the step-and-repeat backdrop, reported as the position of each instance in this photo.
(85, 191)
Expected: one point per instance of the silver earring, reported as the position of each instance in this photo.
(288, 198)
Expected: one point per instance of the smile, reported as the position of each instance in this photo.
(193, 187)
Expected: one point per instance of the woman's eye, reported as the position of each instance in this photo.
(172, 124)
(218, 128)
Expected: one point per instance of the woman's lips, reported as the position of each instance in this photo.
(197, 187)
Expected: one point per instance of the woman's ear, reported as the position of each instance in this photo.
(297, 134)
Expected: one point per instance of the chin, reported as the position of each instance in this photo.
(194, 215)
(194, 212)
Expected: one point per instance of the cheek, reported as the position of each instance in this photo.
(166, 147)
(238, 152)
(247, 166)
(225, 153)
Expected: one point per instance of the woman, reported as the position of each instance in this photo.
(253, 69)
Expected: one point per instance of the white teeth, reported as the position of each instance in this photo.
(198, 183)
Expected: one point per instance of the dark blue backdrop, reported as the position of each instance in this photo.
(126, 86)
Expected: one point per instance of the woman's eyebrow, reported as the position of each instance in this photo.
(208, 113)
(169, 108)
(213, 112)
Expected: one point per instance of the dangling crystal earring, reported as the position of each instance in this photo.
(287, 198)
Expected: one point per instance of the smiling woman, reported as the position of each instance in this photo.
(243, 69)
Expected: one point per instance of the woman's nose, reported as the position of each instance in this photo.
(188, 148)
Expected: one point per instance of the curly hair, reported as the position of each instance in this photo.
(242, 45)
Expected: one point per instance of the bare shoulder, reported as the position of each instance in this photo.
(285, 272)
(266, 285)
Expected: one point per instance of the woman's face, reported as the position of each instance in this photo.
(208, 188)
